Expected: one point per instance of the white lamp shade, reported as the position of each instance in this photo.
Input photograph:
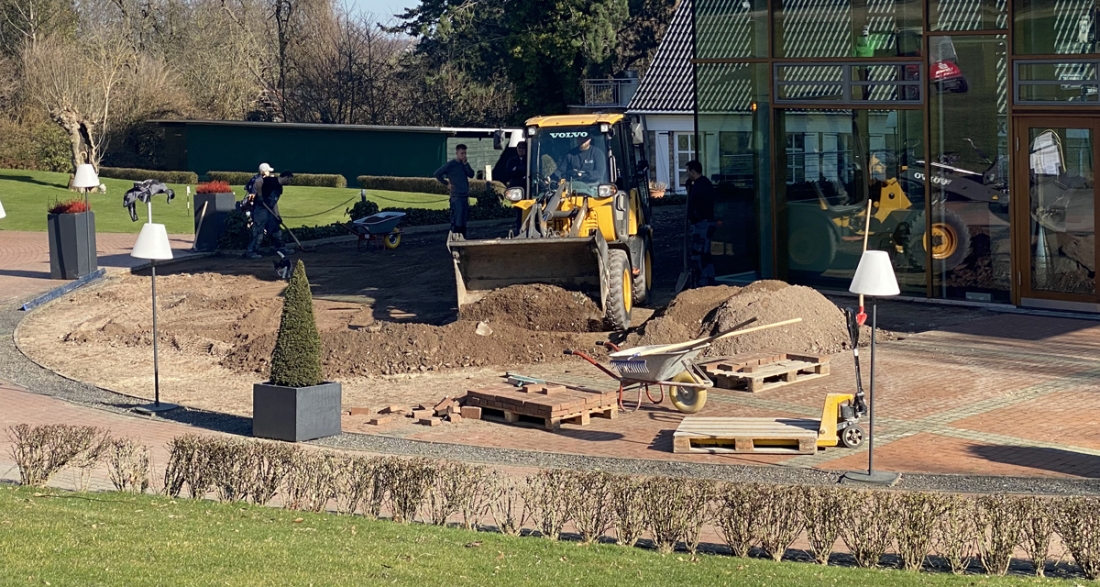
(85, 177)
(152, 243)
(2, 213)
(875, 276)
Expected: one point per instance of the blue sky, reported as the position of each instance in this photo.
(383, 9)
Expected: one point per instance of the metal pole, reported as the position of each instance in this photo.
(870, 395)
(156, 365)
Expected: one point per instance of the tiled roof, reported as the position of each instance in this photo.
(666, 86)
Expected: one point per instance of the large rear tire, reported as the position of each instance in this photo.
(620, 295)
(948, 237)
(644, 280)
(812, 243)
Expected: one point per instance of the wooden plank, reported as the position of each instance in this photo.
(745, 435)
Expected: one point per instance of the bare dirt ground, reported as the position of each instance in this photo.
(388, 325)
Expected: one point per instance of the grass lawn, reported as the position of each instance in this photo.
(57, 538)
(27, 194)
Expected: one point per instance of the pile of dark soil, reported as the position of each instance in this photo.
(538, 307)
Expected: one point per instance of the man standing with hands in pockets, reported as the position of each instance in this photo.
(456, 174)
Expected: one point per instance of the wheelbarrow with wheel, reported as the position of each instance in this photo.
(377, 230)
(670, 365)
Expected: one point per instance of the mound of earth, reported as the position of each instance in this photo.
(538, 307)
(711, 310)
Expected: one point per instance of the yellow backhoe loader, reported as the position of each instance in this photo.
(585, 218)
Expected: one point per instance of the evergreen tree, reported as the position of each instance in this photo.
(296, 361)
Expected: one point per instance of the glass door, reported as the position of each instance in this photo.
(685, 151)
(1056, 163)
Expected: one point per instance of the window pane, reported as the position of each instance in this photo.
(834, 162)
(1064, 82)
(967, 15)
(731, 28)
(969, 240)
(1046, 27)
(733, 134)
(848, 28)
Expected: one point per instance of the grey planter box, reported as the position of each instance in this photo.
(72, 245)
(218, 207)
(295, 414)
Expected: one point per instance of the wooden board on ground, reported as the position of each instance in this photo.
(552, 403)
(715, 435)
(765, 370)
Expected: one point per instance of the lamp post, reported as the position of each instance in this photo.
(152, 244)
(874, 278)
(85, 179)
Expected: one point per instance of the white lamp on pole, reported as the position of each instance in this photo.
(85, 179)
(2, 213)
(152, 244)
(874, 278)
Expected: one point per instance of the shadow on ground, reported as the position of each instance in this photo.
(1048, 459)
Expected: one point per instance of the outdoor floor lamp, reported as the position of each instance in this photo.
(874, 278)
(85, 179)
(2, 213)
(152, 244)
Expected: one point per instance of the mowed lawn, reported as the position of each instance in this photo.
(26, 195)
(55, 538)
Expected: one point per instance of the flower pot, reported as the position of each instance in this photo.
(656, 194)
(210, 225)
(72, 244)
(296, 414)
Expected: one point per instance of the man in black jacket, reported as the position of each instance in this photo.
(700, 215)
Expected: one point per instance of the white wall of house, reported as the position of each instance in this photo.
(673, 147)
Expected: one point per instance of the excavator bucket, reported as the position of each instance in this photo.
(482, 266)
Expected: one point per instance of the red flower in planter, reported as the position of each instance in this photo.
(69, 207)
(213, 187)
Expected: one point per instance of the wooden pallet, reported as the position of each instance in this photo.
(697, 434)
(755, 372)
(552, 403)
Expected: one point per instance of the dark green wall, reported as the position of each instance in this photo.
(348, 152)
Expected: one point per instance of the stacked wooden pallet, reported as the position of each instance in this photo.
(698, 434)
(552, 403)
(760, 371)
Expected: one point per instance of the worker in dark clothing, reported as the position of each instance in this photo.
(700, 217)
(265, 215)
(456, 174)
(515, 174)
(585, 163)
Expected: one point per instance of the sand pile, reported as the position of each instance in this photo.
(538, 307)
(711, 310)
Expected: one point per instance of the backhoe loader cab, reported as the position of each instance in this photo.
(584, 223)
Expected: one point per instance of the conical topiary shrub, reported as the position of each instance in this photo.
(296, 361)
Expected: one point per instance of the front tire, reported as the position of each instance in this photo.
(812, 243)
(689, 400)
(392, 240)
(852, 436)
(620, 298)
(948, 237)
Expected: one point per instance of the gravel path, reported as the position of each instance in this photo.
(18, 369)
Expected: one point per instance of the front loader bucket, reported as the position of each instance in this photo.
(482, 266)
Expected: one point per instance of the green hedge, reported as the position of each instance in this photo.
(319, 180)
(179, 177)
(425, 185)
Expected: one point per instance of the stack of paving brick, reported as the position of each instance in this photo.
(764, 370)
(551, 402)
(446, 410)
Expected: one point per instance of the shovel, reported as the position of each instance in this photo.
(681, 281)
(706, 340)
(283, 224)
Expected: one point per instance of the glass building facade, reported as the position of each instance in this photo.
(954, 134)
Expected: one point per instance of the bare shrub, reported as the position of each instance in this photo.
(128, 465)
(188, 466)
(410, 482)
(270, 463)
(676, 508)
(232, 467)
(918, 517)
(824, 514)
(93, 444)
(592, 510)
(779, 520)
(506, 505)
(383, 471)
(548, 496)
(353, 482)
(40, 452)
(998, 532)
(474, 504)
(628, 498)
(1077, 520)
(452, 491)
(871, 522)
(1036, 529)
(957, 528)
(309, 481)
(738, 510)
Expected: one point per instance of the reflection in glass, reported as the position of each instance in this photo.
(1066, 81)
(1046, 27)
(731, 28)
(835, 161)
(969, 240)
(848, 28)
(1063, 228)
(967, 15)
(733, 134)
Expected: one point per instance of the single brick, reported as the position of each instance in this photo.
(441, 408)
(430, 421)
(380, 420)
(423, 414)
(360, 411)
(471, 412)
(454, 418)
(393, 410)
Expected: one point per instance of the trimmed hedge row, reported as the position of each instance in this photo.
(179, 177)
(425, 185)
(319, 180)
